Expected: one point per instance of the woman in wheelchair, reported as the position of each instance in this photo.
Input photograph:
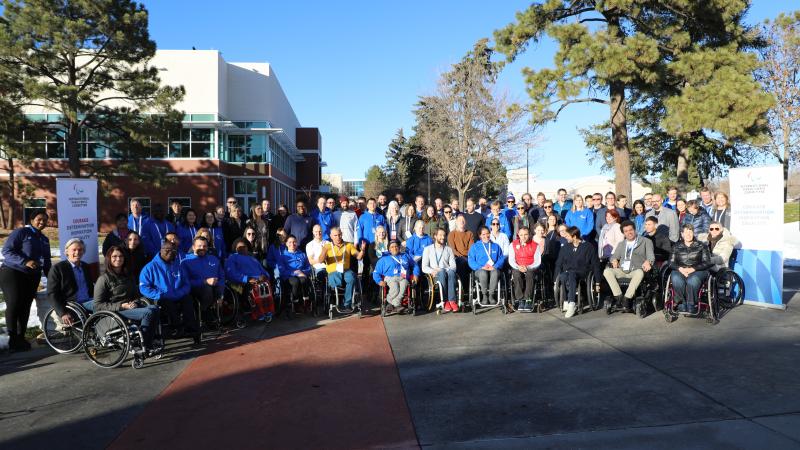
(293, 268)
(689, 263)
(720, 243)
(245, 271)
(576, 260)
(117, 290)
(394, 270)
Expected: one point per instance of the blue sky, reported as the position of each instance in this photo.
(355, 68)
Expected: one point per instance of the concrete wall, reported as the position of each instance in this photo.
(254, 93)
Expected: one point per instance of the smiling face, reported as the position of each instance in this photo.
(133, 241)
(39, 221)
(484, 235)
(316, 231)
(394, 248)
(75, 252)
(524, 235)
(291, 244)
(117, 259)
(200, 247)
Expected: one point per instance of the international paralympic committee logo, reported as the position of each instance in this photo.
(78, 190)
(755, 177)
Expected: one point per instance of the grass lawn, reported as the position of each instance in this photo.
(791, 212)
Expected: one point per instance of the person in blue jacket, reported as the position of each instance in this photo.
(505, 226)
(139, 222)
(206, 276)
(176, 241)
(166, 282)
(299, 225)
(417, 242)
(187, 231)
(216, 238)
(395, 270)
(324, 217)
(580, 217)
(369, 220)
(241, 267)
(26, 254)
(510, 210)
(486, 259)
(156, 228)
(294, 268)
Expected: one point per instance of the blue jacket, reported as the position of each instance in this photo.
(366, 226)
(325, 221)
(240, 268)
(583, 219)
(199, 269)
(186, 235)
(510, 213)
(563, 211)
(25, 244)
(142, 226)
(477, 256)
(392, 266)
(415, 245)
(639, 222)
(299, 227)
(289, 262)
(218, 236)
(505, 226)
(162, 281)
(701, 221)
(156, 230)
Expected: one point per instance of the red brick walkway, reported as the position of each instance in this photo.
(333, 387)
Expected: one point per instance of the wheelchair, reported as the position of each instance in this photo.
(432, 293)
(729, 288)
(475, 294)
(409, 299)
(539, 300)
(290, 308)
(585, 294)
(706, 302)
(63, 338)
(648, 294)
(333, 297)
(108, 339)
(236, 306)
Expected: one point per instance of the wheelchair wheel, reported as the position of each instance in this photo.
(62, 338)
(730, 289)
(669, 314)
(106, 339)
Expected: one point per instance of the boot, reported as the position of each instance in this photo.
(627, 304)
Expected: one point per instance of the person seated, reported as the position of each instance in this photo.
(662, 246)
(173, 239)
(486, 259)
(632, 258)
(244, 270)
(700, 219)
(575, 261)
(70, 281)
(721, 244)
(293, 268)
(164, 281)
(336, 256)
(524, 257)
(690, 262)
(206, 276)
(314, 249)
(395, 270)
(117, 290)
(439, 261)
(610, 235)
(416, 244)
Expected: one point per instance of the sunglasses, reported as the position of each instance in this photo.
(495, 224)
(448, 212)
(521, 209)
(510, 201)
(714, 229)
(548, 207)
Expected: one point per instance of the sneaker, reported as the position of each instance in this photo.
(400, 309)
(346, 310)
(564, 307)
(389, 309)
(570, 310)
(453, 306)
(529, 305)
(447, 306)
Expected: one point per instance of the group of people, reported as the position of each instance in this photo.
(169, 260)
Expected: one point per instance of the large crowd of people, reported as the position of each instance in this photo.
(160, 265)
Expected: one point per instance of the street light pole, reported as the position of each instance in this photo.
(527, 169)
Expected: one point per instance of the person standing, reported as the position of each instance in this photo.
(346, 220)
(667, 218)
(26, 254)
(323, 217)
(299, 225)
(139, 222)
(563, 205)
(473, 219)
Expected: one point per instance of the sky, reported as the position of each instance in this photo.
(355, 69)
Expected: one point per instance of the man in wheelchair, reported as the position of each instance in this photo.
(336, 255)
(395, 270)
(164, 281)
(206, 277)
(439, 262)
(70, 281)
(631, 259)
(577, 259)
(525, 258)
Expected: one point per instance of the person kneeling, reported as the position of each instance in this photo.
(164, 281)
(631, 259)
(394, 270)
(439, 261)
(336, 256)
(117, 290)
(525, 257)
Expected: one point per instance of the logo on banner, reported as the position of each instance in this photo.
(78, 190)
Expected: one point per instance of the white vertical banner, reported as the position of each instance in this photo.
(76, 203)
(757, 222)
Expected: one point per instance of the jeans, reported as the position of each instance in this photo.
(447, 278)
(147, 316)
(634, 276)
(686, 289)
(488, 281)
(523, 284)
(336, 279)
(570, 280)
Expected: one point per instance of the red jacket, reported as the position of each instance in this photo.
(524, 254)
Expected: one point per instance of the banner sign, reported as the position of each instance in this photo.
(757, 222)
(76, 202)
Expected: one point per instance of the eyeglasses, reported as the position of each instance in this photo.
(510, 201)
(230, 202)
(714, 229)
(522, 208)
(548, 207)
(495, 224)
(448, 212)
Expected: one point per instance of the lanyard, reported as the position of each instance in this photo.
(398, 262)
(484, 247)
(718, 215)
(438, 256)
(333, 250)
(139, 228)
(629, 254)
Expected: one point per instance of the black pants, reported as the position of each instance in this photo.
(523, 284)
(174, 308)
(204, 294)
(300, 286)
(19, 289)
(571, 280)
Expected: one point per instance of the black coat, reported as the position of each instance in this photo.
(695, 255)
(662, 246)
(62, 287)
(232, 230)
(581, 260)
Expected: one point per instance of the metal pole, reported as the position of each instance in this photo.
(527, 169)
(429, 181)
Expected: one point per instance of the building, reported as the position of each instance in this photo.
(352, 187)
(240, 138)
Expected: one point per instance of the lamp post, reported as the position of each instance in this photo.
(527, 169)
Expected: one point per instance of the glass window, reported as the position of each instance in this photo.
(201, 134)
(179, 150)
(202, 117)
(246, 193)
(185, 202)
(31, 205)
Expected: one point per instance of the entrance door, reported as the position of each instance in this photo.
(246, 193)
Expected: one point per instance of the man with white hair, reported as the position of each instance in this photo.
(70, 281)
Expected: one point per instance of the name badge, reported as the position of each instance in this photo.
(340, 267)
(394, 235)
(408, 234)
(489, 263)
(403, 272)
(626, 265)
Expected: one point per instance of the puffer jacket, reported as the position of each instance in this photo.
(721, 254)
(701, 221)
(695, 255)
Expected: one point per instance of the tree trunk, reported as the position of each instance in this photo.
(682, 166)
(462, 193)
(73, 151)
(619, 139)
(12, 197)
(786, 135)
